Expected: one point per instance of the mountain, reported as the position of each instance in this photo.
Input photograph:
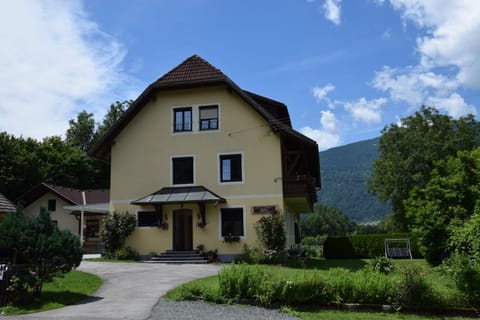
(344, 173)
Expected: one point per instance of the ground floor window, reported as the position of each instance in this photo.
(149, 218)
(232, 222)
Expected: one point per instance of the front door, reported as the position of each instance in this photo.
(182, 230)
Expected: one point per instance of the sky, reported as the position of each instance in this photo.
(345, 68)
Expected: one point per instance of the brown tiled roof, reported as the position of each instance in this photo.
(194, 69)
(194, 72)
(72, 196)
(6, 205)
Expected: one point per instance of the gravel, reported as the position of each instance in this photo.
(199, 310)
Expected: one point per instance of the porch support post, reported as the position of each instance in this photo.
(159, 209)
(201, 208)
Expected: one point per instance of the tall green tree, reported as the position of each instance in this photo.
(114, 113)
(81, 132)
(445, 204)
(326, 221)
(409, 149)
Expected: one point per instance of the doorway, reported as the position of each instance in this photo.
(182, 230)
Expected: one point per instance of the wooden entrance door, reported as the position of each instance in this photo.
(182, 230)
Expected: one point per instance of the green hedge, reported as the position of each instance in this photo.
(363, 246)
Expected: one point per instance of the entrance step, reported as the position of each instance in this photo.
(178, 257)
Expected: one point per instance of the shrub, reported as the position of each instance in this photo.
(271, 233)
(382, 265)
(313, 246)
(466, 275)
(126, 253)
(240, 281)
(412, 289)
(117, 228)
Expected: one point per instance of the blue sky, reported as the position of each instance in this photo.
(345, 69)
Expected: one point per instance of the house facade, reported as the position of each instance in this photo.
(66, 206)
(198, 159)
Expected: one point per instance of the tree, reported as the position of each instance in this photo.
(409, 149)
(440, 210)
(81, 132)
(326, 221)
(48, 251)
(114, 113)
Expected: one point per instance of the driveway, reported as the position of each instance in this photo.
(129, 290)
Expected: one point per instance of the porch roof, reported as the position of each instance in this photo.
(170, 195)
(101, 208)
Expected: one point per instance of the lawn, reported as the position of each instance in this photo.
(72, 288)
(347, 271)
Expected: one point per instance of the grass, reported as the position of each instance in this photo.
(351, 315)
(75, 286)
(208, 288)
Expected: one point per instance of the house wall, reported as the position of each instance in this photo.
(141, 164)
(64, 219)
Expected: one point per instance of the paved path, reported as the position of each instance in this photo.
(129, 291)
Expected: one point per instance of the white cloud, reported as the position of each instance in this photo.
(387, 34)
(332, 11)
(367, 111)
(54, 63)
(451, 39)
(453, 104)
(320, 93)
(325, 139)
(328, 120)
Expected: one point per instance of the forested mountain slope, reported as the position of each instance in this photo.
(344, 173)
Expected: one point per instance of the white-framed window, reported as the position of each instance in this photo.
(231, 167)
(182, 119)
(232, 221)
(208, 117)
(148, 218)
(183, 170)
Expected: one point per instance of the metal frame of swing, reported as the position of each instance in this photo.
(398, 252)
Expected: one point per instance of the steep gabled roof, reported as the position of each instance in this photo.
(194, 72)
(6, 205)
(72, 196)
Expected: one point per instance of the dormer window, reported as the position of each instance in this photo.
(182, 119)
(208, 118)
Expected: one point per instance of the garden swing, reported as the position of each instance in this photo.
(398, 248)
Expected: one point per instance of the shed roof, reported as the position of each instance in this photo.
(70, 195)
(6, 205)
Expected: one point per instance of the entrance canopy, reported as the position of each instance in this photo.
(97, 208)
(172, 195)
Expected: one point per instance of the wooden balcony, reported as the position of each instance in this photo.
(300, 192)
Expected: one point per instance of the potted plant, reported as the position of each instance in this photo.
(230, 238)
(212, 255)
(201, 249)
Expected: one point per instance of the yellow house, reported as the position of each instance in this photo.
(196, 158)
(66, 206)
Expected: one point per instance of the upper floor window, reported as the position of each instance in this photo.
(182, 170)
(208, 118)
(182, 119)
(52, 205)
(231, 167)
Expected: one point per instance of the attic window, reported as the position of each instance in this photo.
(208, 118)
(182, 119)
